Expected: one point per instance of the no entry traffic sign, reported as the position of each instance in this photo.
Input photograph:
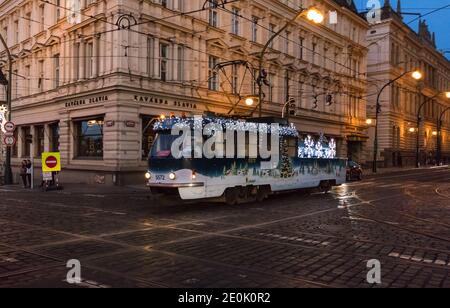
(51, 162)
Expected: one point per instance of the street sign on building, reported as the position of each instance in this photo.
(51, 162)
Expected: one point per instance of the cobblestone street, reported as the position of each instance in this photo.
(130, 239)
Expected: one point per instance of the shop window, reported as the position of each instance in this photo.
(28, 139)
(148, 135)
(40, 135)
(90, 138)
(54, 137)
(15, 148)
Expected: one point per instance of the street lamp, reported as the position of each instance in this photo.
(417, 75)
(250, 101)
(8, 172)
(419, 119)
(312, 14)
(291, 100)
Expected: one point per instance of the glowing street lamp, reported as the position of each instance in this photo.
(419, 119)
(249, 101)
(312, 14)
(415, 74)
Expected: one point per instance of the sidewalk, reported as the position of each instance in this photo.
(84, 189)
(383, 171)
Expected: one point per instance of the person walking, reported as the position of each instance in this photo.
(23, 173)
(29, 166)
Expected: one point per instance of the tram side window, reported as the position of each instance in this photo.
(292, 146)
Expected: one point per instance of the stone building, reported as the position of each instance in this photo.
(395, 48)
(88, 82)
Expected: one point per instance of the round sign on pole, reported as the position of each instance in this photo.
(51, 162)
(9, 127)
(9, 141)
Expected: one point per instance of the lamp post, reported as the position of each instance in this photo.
(8, 172)
(291, 100)
(439, 133)
(312, 14)
(419, 119)
(414, 74)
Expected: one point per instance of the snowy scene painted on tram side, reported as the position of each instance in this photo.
(301, 162)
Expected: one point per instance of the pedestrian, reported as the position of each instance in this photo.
(23, 173)
(29, 166)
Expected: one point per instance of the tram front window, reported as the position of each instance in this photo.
(162, 148)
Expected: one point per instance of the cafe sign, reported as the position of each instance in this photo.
(86, 101)
(152, 100)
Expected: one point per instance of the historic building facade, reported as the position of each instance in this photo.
(90, 84)
(394, 48)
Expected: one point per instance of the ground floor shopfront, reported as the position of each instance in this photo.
(105, 136)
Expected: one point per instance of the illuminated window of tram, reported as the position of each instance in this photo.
(90, 138)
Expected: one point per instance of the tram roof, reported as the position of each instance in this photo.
(249, 124)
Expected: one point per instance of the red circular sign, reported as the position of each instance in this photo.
(9, 141)
(9, 127)
(51, 162)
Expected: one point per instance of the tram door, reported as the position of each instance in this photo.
(148, 135)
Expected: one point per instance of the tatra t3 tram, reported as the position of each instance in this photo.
(212, 157)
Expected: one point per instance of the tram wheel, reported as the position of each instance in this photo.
(232, 196)
(325, 186)
(261, 194)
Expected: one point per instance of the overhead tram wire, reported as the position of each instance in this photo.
(90, 16)
(292, 41)
(179, 14)
(429, 13)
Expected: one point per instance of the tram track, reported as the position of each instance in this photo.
(407, 191)
(351, 194)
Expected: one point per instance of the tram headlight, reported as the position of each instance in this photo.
(148, 175)
(194, 175)
(172, 176)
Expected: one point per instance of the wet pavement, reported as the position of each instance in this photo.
(129, 238)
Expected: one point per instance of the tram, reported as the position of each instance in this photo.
(234, 174)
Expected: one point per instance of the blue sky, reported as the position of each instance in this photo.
(438, 22)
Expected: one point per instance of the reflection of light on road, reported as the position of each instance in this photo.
(346, 194)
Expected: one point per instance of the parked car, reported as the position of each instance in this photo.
(354, 171)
